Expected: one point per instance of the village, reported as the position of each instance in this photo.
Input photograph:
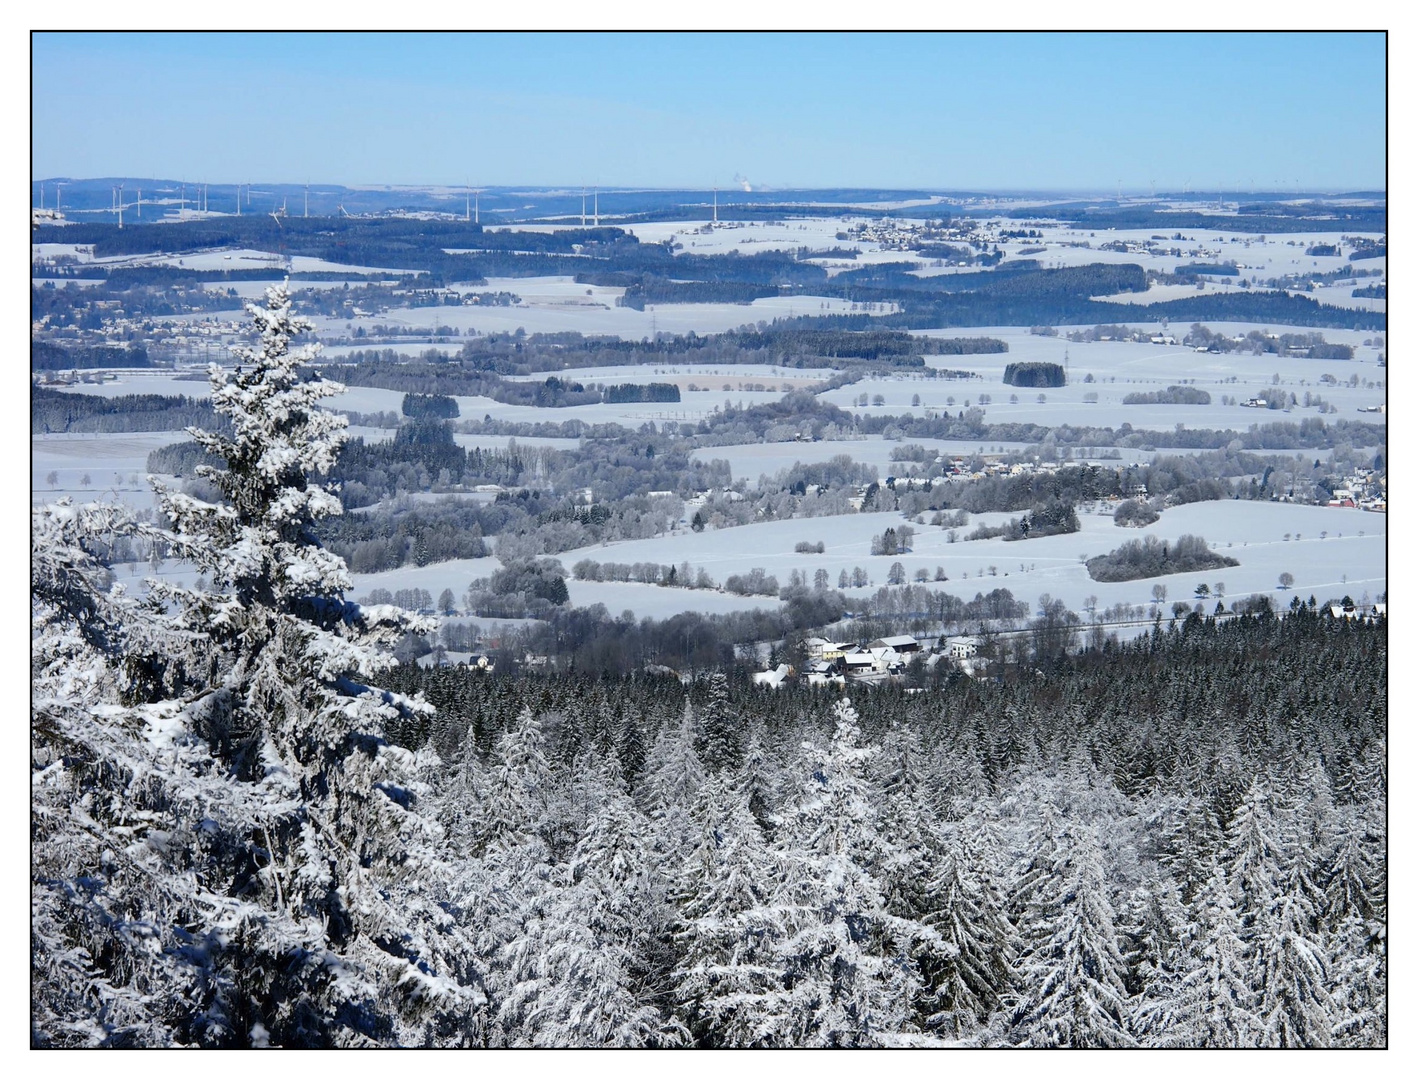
(881, 660)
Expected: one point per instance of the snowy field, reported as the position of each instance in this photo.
(709, 377)
(626, 414)
(752, 460)
(215, 259)
(116, 465)
(656, 602)
(1119, 368)
(1330, 552)
(1275, 255)
(145, 382)
(1253, 533)
(368, 399)
(456, 574)
(61, 283)
(557, 304)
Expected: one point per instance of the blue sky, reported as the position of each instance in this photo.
(948, 111)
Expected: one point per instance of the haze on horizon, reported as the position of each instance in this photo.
(1016, 112)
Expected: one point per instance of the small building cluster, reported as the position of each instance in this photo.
(875, 661)
(1363, 489)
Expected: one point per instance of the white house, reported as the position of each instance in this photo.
(962, 648)
(822, 649)
(885, 659)
(858, 662)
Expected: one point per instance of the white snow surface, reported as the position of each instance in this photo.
(556, 304)
(111, 461)
(749, 461)
(1252, 532)
(1120, 368)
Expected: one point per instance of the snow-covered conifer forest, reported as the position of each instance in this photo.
(251, 828)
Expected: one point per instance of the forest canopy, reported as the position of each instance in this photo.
(1150, 557)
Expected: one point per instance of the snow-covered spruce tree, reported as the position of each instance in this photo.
(1071, 978)
(970, 976)
(1207, 1000)
(845, 962)
(580, 970)
(1152, 923)
(1356, 930)
(1279, 907)
(227, 851)
(721, 744)
(723, 890)
(758, 780)
(519, 786)
(673, 773)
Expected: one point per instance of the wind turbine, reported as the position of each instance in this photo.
(122, 206)
(583, 206)
(596, 206)
(307, 200)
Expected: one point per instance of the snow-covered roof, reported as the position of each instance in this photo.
(772, 678)
(897, 642)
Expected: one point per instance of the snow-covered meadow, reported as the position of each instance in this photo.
(1258, 257)
(116, 466)
(1119, 368)
(558, 304)
(1350, 558)
(370, 399)
(751, 461)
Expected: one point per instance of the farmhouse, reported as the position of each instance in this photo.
(962, 648)
(858, 662)
(820, 649)
(902, 644)
(885, 660)
(1355, 611)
